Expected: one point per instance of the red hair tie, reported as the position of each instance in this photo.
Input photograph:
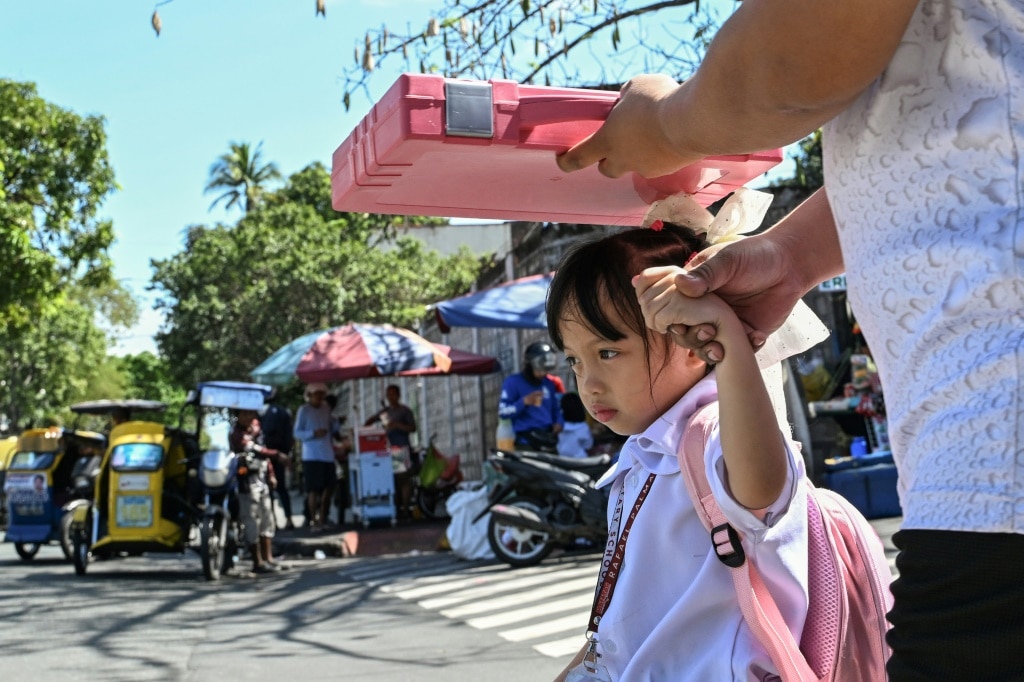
(658, 225)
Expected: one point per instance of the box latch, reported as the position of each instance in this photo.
(468, 109)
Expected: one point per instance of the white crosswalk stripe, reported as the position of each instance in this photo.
(545, 606)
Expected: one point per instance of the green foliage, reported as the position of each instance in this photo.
(51, 361)
(809, 173)
(148, 377)
(54, 174)
(57, 285)
(237, 293)
(241, 177)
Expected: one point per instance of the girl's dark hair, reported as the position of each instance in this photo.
(594, 272)
(572, 408)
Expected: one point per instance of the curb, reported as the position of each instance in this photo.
(418, 536)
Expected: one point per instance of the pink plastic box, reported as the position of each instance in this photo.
(434, 146)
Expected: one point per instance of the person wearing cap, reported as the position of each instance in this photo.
(313, 429)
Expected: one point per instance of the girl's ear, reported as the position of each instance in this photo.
(691, 359)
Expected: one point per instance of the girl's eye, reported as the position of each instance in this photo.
(570, 360)
(607, 354)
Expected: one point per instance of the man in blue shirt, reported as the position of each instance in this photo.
(530, 400)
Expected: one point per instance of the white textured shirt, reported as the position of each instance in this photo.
(674, 615)
(925, 176)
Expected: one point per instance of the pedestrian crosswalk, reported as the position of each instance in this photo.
(545, 606)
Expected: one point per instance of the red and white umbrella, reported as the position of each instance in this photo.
(358, 351)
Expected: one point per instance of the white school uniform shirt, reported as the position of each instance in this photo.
(674, 615)
(575, 439)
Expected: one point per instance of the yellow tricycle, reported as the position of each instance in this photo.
(41, 480)
(144, 496)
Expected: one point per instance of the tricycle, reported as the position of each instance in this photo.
(150, 495)
(44, 475)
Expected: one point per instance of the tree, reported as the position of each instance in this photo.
(242, 176)
(54, 174)
(148, 377)
(582, 43)
(57, 286)
(235, 294)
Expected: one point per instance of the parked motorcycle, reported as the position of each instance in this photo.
(540, 501)
(219, 526)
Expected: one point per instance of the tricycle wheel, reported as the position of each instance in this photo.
(80, 550)
(66, 544)
(211, 549)
(26, 550)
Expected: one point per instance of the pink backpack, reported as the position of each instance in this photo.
(848, 579)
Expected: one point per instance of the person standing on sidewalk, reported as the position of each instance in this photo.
(313, 425)
(398, 422)
(256, 480)
(277, 434)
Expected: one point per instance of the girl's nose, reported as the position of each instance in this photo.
(589, 383)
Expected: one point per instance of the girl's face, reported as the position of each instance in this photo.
(615, 381)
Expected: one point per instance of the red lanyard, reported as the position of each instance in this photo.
(614, 553)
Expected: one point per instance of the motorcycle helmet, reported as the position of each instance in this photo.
(541, 357)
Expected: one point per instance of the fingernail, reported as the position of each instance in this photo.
(714, 356)
(703, 335)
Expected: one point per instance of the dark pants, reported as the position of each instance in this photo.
(959, 607)
(284, 497)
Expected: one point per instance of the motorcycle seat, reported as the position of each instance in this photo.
(584, 464)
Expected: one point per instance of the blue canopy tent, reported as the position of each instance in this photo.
(518, 304)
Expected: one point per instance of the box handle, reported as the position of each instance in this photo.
(537, 111)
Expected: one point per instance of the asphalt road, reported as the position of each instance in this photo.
(155, 618)
(414, 616)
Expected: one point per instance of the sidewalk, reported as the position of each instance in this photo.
(409, 535)
(421, 536)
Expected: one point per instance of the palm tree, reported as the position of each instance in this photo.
(242, 177)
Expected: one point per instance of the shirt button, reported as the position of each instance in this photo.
(609, 645)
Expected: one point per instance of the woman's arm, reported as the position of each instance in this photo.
(775, 71)
(303, 430)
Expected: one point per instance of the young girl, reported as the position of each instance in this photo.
(668, 610)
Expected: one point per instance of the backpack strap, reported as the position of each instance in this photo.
(759, 609)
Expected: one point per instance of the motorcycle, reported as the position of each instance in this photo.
(219, 526)
(540, 501)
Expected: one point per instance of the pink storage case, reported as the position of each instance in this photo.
(435, 146)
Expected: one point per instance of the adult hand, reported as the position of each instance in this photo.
(633, 137)
(535, 399)
(755, 276)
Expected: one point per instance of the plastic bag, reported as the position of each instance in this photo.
(468, 540)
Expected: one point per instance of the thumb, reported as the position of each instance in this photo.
(706, 271)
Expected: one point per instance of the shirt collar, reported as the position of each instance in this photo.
(656, 448)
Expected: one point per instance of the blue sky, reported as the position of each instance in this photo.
(222, 70)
